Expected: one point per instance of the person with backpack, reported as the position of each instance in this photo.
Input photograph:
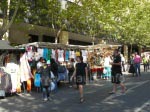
(81, 74)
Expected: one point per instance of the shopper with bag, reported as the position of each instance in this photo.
(81, 73)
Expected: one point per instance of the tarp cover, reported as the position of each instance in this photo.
(5, 45)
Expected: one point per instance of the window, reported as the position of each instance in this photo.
(33, 38)
(48, 39)
(76, 42)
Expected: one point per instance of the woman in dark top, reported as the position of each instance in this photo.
(116, 72)
(45, 80)
(54, 67)
(70, 68)
(81, 74)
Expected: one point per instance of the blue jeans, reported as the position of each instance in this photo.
(137, 69)
(46, 92)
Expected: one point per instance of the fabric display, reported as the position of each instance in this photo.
(47, 53)
(25, 69)
(5, 82)
(13, 70)
(72, 54)
(53, 55)
(84, 55)
(2, 58)
(78, 53)
(40, 53)
(37, 80)
(67, 55)
(60, 55)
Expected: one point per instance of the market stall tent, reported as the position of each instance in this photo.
(4, 45)
(52, 45)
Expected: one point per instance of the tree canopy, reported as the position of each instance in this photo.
(126, 20)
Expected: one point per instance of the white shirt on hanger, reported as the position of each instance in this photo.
(13, 70)
(40, 53)
(53, 55)
(84, 55)
(30, 55)
(72, 54)
(61, 55)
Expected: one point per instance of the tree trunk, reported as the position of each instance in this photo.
(8, 24)
(131, 49)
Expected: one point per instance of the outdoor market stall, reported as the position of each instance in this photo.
(61, 53)
(9, 68)
(96, 59)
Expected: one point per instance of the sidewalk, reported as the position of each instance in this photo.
(65, 99)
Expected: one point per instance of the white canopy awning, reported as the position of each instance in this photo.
(4, 45)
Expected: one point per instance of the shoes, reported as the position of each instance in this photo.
(70, 86)
(111, 92)
(82, 100)
(49, 98)
(45, 99)
(124, 91)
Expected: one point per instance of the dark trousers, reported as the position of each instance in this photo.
(46, 91)
(123, 66)
(145, 67)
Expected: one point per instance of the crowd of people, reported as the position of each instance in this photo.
(76, 70)
(135, 64)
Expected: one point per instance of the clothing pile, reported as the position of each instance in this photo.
(5, 83)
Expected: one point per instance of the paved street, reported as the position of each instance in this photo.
(136, 99)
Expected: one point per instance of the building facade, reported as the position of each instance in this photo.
(22, 33)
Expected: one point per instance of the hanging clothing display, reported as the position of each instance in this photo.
(53, 55)
(2, 60)
(60, 55)
(78, 53)
(72, 54)
(25, 70)
(13, 70)
(40, 53)
(12, 58)
(29, 85)
(45, 53)
(5, 81)
(30, 55)
(67, 55)
(36, 56)
(37, 80)
(84, 55)
(49, 54)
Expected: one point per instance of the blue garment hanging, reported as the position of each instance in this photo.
(67, 55)
(37, 80)
(45, 53)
